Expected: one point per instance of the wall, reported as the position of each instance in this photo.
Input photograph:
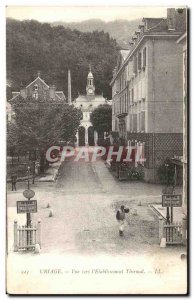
(158, 147)
(165, 86)
(43, 90)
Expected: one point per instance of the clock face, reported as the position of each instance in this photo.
(90, 91)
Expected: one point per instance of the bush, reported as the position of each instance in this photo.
(166, 173)
(136, 173)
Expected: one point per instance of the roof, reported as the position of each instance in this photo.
(88, 98)
(90, 75)
(153, 27)
(35, 81)
(60, 94)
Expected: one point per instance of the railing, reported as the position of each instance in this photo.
(175, 234)
(25, 238)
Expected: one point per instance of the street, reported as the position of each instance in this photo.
(82, 235)
(84, 201)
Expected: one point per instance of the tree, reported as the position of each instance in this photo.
(12, 141)
(101, 118)
(40, 124)
(33, 46)
(166, 173)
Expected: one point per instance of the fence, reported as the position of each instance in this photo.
(175, 234)
(25, 238)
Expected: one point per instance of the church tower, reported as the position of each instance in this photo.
(90, 88)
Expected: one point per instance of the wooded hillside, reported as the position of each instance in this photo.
(34, 46)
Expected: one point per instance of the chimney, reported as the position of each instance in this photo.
(52, 92)
(69, 88)
(171, 19)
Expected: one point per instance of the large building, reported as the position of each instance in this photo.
(147, 89)
(39, 89)
(183, 41)
(87, 103)
(36, 89)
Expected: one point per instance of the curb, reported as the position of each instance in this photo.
(157, 212)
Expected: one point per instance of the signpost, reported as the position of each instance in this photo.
(28, 194)
(171, 201)
(27, 206)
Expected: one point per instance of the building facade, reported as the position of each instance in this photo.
(39, 89)
(147, 89)
(183, 41)
(86, 135)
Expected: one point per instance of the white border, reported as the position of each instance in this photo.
(4, 3)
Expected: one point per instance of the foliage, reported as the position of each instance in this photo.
(33, 46)
(101, 118)
(12, 141)
(40, 124)
(166, 173)
(136, 173)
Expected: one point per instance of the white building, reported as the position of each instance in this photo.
(87, 103)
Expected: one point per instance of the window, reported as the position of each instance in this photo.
(144, 57)
(142, 121)
(135, 122)
(131, 122)
(139, 61)
(135, 65)
(132, 95)
(35, 87)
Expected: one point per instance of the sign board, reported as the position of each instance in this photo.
(28, 194)
(171, 200)
(26, 206)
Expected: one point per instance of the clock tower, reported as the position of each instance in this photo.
(90, 88)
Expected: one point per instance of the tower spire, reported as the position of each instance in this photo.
(90, 88)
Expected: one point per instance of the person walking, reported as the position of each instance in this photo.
(120, 216)
(13, 181)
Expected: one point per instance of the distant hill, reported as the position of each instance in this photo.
(121, 30)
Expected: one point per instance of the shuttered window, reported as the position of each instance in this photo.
(144, 57)
(135, 65)
(142, 121)
(139, 61)
(135, 122)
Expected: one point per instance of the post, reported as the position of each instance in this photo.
(28, 216)
(34, 166)
(86, 136)
(15, 236)
(184, 229)
(69, 88)
(39, 233)
(168, 216)
(161, 228)
(171, 214)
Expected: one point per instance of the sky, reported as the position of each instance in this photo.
(78, 14)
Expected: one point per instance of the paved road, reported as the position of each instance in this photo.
(78, 177)
(84, 201)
